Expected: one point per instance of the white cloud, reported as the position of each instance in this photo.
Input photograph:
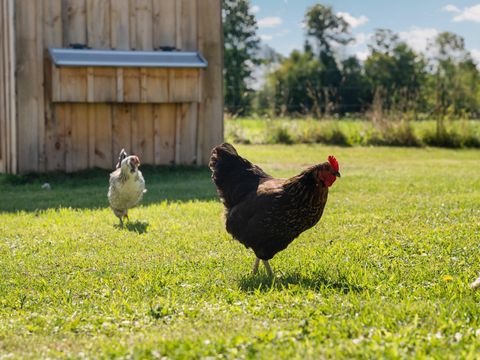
(269, 22)
(476, 56)
(418, 38)
(361, 38)
(352, 20)
(254, 9)
(451, 8)
(362, 55)
(268, 37)
(471, 13)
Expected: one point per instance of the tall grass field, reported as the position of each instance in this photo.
(384, 274)
(461, 133)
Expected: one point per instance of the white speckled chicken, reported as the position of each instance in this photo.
(127, 185)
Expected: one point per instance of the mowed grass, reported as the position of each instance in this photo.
(384, 274)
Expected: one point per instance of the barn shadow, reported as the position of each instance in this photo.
(315, 281)
(88, 189)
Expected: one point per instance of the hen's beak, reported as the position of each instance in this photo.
(132, 166)
(337, 174)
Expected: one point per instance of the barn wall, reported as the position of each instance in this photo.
(74, 136)
(7, 88)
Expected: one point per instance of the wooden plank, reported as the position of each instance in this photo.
(65, 110)
(119, 85)
(74, 19)
(143, 85)
(184, 85)
(134, 123)
(131, 85)
(91, 136)
(105, 84)
(164, 23)
(52, 37)
(52, 123)
(52, 23)
(120, 34)
(103, 136)
(164, 116)
(40, 90)
(178, 24)
(27, 89)
(178, 133)
(210, 110)
(90, 85)
(156, 87)
(188, 25)
(12, 100)
(98, 24)
(132, 25)
(72, 85)
(142, 132)
(56, 90)
(122, 132)
(187, 113)
(56, 140)
(3, 95)
(79, 137)
(200, 123)
(144, 25)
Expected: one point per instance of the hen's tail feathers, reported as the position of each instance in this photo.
(233, 175)
(123, 154)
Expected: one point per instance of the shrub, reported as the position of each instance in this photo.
(279, 135)
(235, 133)
(394, 134)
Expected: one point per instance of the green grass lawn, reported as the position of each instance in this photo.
(384, 274)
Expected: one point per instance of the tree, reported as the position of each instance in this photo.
(355, 91)
(453, 69)
(395, 72)
(240, 47)
(326, 28)
(297, 85)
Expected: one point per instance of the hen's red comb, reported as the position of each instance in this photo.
(333, 162)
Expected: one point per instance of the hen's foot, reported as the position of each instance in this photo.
(268, 268)
(255, 266)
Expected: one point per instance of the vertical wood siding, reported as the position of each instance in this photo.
(71, 136)
(8, 160)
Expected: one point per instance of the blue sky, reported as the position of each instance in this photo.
(416, 21)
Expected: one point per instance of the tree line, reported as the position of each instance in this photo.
(392, 81)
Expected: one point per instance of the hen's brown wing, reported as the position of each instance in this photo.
(234, 176)
(271, 218)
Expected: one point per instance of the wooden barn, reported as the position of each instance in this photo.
(82, 79)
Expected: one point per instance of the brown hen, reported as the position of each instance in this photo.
(264, 213)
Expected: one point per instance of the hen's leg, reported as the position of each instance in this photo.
(121, 221)
(268, 268)
(255, 266)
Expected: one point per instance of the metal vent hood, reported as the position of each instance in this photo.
(122, 58)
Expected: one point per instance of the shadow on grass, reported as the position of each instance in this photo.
(88, 189)
(315, 281)
(140, 227)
